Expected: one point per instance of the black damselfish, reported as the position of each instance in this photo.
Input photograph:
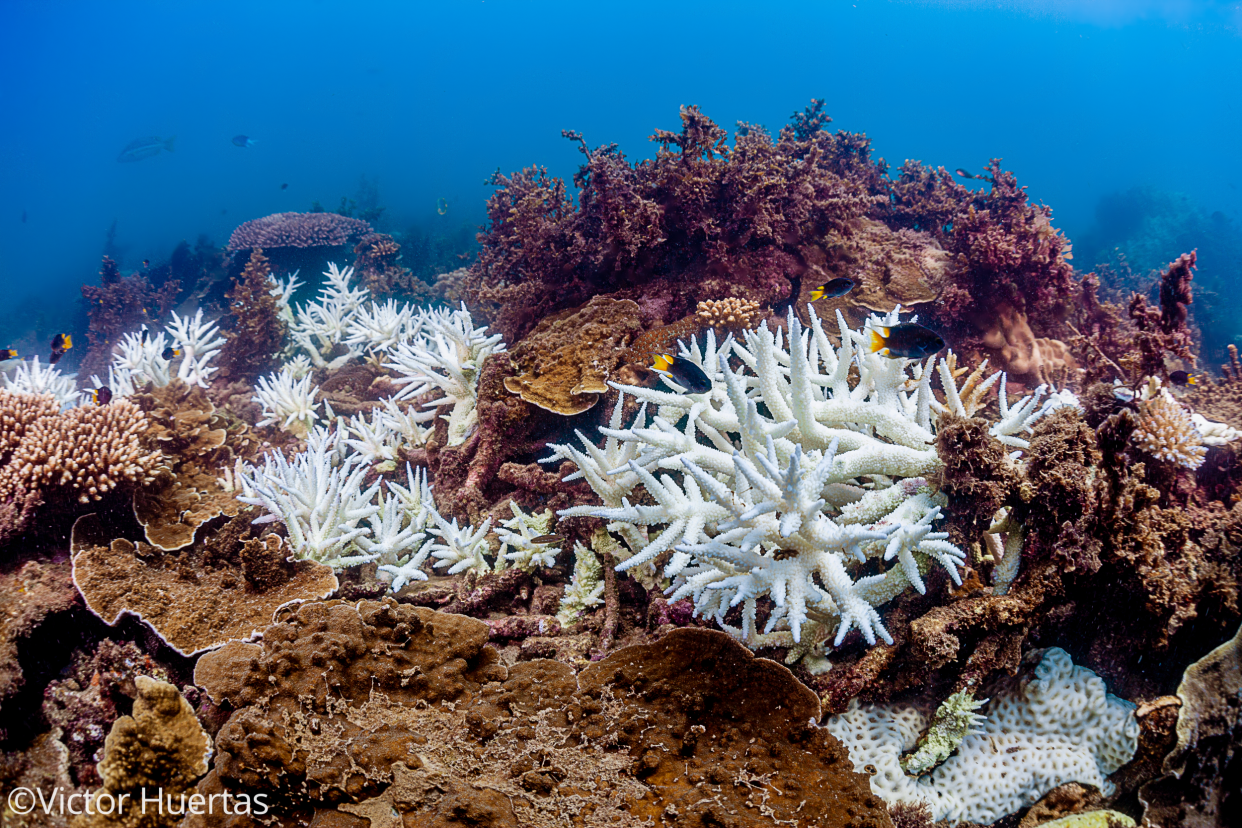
(102, 395)
(170, 352)
(683, 372)
(60, 344)
(832, 289)
(1181, 378)
(907, 340)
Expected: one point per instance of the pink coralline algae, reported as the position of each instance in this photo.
(298, 230)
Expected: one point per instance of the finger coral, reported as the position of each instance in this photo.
(1167, 432)
(84, 452)
(731, 314)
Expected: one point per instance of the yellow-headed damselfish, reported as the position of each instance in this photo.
(907, 340)
(171, 352)
(102, 395)
(1181, 378)
(833, 288)
(61, 343)
(683, 372)
(7, 353)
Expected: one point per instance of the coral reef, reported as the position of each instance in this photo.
(28, 597)
(120, 304)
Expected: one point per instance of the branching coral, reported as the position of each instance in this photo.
(120, 304)
(198, 343)
(773, 502)
(287, 402)
(30, 378)
(85, 452)
(1167, 431)
(447, 358)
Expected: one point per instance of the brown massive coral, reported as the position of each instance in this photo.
(383, 709)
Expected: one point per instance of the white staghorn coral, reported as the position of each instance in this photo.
(516, 535)
(198, 343)
(802, 462)
(320, 326)
(288, 402)
(318, 496)
(447, 356)
(30, 378)
(460, 549)
(139, 359)
(381, 327)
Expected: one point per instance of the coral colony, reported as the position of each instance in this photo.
(759, 485)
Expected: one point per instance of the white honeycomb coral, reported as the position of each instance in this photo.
(788, 501)
(1040, 731)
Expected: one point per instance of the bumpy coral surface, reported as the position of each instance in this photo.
(297, 230)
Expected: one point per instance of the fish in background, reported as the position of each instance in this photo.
(243, 141)
(7, 353)
(61, 344)
(148, 147)
(833, 288)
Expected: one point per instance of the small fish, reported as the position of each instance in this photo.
(964, 174)
(170, 352)
(102, 395)
(683, 372)
(908, 340)
(243, 141)
(284, 186)
(61, 344)
(142, 148)
(442, 205)
(7, 353)
(547, 539)
(1182, 378)
(833, 288)
(146, 263)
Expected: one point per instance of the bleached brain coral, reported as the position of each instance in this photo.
(1059, 725)
(803, 462)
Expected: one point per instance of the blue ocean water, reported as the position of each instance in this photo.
(411, 105)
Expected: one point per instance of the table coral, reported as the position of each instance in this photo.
(297, 230)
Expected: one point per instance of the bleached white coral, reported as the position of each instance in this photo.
(447, 356)
(319, 326)
(460, 549)
(586, 587)
(380, 327)
(138, 359)
(1058, 726)
(318, 496)
(402, 562)
(516, 535)
(1213, 433)
(199, 343)
(30, 378)
(287, 401)
(787, 499)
